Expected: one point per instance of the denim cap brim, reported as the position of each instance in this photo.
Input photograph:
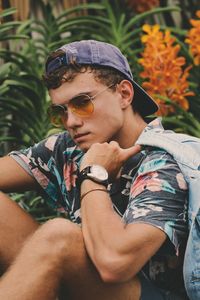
(91, 52)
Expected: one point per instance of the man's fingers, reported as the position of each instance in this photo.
(126, 153)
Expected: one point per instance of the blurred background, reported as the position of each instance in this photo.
(161, 40)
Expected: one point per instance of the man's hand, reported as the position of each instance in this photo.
(108, 155)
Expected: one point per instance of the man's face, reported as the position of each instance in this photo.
(106, 121)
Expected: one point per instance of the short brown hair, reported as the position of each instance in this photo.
(105, 75)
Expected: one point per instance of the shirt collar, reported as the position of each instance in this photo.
(156, 124)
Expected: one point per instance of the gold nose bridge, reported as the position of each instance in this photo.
(72, 109)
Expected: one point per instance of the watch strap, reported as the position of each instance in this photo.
(83, 175)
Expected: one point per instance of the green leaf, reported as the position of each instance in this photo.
(78, 8)
(13, 37)
(140, 17)
(5, 70)
(7, 12)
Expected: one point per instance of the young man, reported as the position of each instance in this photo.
(130, 202)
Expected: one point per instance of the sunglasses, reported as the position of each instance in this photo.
(81, 105)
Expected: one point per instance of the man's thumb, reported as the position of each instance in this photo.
(130, 152)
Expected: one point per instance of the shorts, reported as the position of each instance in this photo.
(150, 292)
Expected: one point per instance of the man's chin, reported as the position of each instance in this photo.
(84, 146)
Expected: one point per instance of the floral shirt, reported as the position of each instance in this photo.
(151, 190)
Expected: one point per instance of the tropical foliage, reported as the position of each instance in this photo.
(161, 43)
(160, 60)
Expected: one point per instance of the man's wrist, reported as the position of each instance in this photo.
(95, 173)
(89, 185)
(92, 191)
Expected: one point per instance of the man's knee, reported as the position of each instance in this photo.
(60, 229)
(60, 238)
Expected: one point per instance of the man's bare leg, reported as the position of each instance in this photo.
(55, 254)
(15, 226)
(82, 281)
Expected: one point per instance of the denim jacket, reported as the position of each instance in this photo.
(186, 151)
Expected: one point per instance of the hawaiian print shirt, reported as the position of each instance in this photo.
(151, 190)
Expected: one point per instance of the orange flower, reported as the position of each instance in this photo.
(143, 5)
(193, 39)
(163, 69)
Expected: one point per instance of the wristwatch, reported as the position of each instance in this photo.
(95, 173)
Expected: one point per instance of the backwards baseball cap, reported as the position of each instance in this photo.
(91, 52)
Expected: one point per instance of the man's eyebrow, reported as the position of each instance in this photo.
(84, 93)
(89, 93)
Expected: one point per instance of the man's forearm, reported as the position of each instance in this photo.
(118, 250)
(103, 228)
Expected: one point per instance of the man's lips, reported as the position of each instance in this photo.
(80, 136)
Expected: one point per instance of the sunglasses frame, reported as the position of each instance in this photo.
(65, 107)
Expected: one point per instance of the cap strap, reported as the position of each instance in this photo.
(94, 52)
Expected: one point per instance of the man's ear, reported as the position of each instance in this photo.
(125, 88)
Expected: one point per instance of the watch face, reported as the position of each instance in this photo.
(98, 173)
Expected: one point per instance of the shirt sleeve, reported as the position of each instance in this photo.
(54, 162)
(35, 159)
(44, 161)
(158, 196)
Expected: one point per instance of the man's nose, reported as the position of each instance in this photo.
(73, 120)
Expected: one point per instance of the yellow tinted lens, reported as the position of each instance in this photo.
(56, 114)
(81, 105)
